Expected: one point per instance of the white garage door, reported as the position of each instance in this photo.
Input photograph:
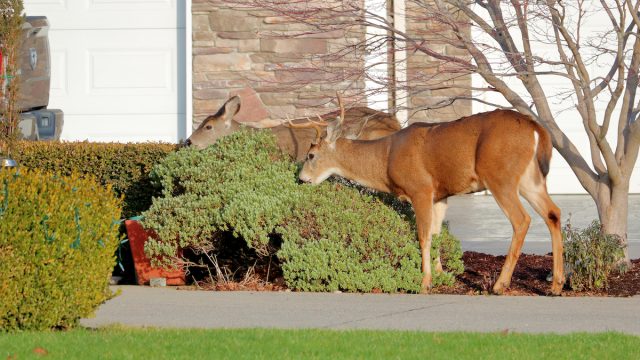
(118, 67)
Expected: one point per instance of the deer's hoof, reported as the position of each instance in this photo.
(426, 286)
(556, 288)
(499, 288)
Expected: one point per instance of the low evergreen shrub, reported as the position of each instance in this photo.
(243, 184)
(125, 167)
(58, 235)
(591, 256)
(332, 237)
(338, 239)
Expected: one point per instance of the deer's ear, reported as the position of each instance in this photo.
(333, 132)
(231, 107)
(329, 135)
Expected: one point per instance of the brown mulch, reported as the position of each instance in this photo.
(530, 277)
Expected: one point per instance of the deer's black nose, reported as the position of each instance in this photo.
(187, 142)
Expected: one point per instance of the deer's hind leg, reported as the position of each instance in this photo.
(506, 195)
(533, 187)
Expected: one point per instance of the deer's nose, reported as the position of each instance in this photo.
(304, 179)
(187, 142)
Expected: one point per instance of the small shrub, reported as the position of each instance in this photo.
(591, 256)
(11, 24)
(333, 238)
(125, 167)
(58, 235)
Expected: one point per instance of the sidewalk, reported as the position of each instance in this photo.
(167, 307)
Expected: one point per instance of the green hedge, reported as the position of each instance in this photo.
(58, 235)
(125, 167)
(333, 238)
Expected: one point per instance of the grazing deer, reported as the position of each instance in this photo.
(293, 137)
(502, 151)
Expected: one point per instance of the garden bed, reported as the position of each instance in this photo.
(244, 270)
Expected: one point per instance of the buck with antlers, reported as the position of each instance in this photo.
(295, 137)
(502, 151)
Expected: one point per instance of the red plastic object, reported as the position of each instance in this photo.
(144, 271)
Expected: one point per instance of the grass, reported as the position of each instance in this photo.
(126, 343)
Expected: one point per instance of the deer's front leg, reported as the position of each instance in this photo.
(423, 207)
(439, 210)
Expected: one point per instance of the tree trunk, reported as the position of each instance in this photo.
(613, 210)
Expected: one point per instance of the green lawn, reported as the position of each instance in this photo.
(123, 343)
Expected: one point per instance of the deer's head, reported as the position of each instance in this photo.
(323, 159)
(216, 126)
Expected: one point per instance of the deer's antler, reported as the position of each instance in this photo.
(309, 124)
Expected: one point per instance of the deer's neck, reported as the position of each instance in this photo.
(365, 162)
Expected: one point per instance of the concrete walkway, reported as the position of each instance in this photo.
(481, 226)
(167, 307)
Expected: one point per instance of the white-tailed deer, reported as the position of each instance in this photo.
(293, 137)
(502, 151)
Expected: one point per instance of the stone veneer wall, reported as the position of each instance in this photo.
(426, 78)
(237, 48)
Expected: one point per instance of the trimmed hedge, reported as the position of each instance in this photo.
(333, 238)
(58, 236)
(125, 167)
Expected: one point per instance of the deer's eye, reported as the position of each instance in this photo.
(310, 156)
(208, 127)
